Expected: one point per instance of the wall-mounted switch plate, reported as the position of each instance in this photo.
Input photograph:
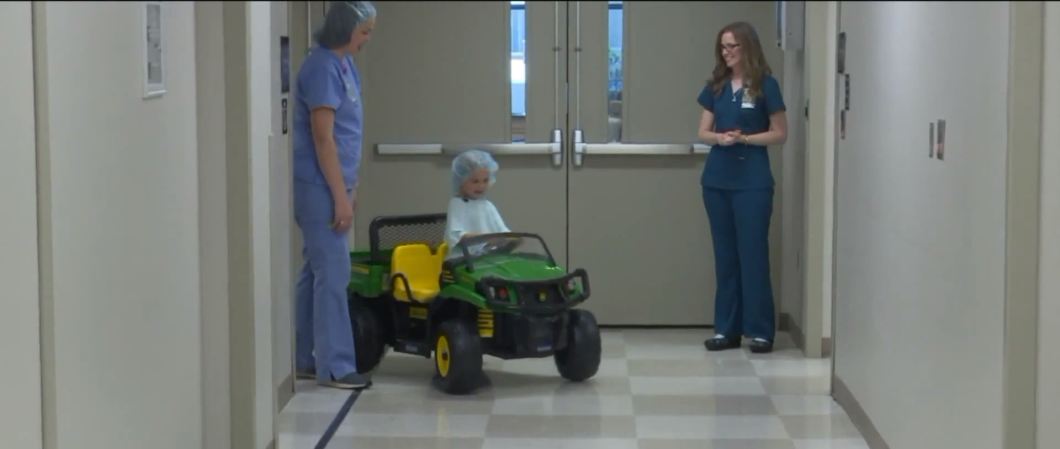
(842, 125)
(940, 146)
(931, 140)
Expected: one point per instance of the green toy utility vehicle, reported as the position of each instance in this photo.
(498, 294)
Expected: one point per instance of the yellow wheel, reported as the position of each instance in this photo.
(441, 356)
(457, 357)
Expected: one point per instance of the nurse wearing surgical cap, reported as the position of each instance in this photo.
(328, 130)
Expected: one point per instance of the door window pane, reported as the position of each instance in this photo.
(518, 70)
(614, 71)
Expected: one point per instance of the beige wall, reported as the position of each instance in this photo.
(213, 223)
(240, 102)
(1049, 293)
(792, 215)
(820, 141)
(920, 279)
(259, 81)
(119, 228)
(246, 43)
(280, 216)
(20, 414)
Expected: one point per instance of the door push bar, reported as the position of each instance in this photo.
(581, 149)
(554, 148)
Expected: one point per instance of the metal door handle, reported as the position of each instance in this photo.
(554, 148)
(581, 149)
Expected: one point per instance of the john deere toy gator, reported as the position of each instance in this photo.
(497, 294)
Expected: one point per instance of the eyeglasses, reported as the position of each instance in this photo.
(730, 47)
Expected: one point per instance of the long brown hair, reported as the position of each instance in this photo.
(753, 61)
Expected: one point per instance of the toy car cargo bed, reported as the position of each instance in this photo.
(367, 277)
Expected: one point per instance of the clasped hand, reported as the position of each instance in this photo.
(729, 137)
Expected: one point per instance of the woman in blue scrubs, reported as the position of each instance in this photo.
(743, 113)
(327, 154)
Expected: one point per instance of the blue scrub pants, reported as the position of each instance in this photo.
(739, 225)
(323, 333)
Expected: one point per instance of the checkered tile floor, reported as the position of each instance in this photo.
(656, 389)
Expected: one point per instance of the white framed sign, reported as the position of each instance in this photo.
(154, 50)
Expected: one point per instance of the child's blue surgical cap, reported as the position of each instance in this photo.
(465, 164)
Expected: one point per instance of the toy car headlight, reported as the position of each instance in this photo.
(498, 292)
(574, 285)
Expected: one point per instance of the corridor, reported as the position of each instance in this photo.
(656, 389)
(150, 249)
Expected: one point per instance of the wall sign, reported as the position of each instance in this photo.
(285, 64)
(841, 53)
(154, 51)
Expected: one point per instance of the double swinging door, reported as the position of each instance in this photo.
(588, 107)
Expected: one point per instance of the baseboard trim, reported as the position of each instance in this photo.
(285, 392)
(787, 324)
(857, 414)
(656, 326)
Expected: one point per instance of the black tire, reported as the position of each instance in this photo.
(457, 357)
(367, 335)
(581, 358)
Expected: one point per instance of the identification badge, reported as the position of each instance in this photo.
(748, 102)
(351, 92)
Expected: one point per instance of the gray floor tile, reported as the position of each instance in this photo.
(711, 427)
(702, 405)
(560, 443)
(696, 386)
(508, 426)
(357, 442)
(839, 443)
(618, 405)
(797, 385)
(380, 402)
(414, 425)
(716, 444)
(820, 426)
(687, 368)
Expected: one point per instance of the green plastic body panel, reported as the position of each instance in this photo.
(367, 278)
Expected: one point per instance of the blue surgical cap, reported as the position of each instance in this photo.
(465, 164)
(341, 20)
(364, 11)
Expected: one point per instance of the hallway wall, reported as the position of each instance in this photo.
(20, 413)
(792, 216)
(119, 229)
(921, 242)
(213, 224)
(1049, 293)
(818, 194)
(234, 118)
(259, 66)
(281, 212)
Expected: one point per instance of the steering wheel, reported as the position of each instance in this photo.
(502, 245)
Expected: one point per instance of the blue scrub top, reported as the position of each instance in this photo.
(327, 79)
(740, 166)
